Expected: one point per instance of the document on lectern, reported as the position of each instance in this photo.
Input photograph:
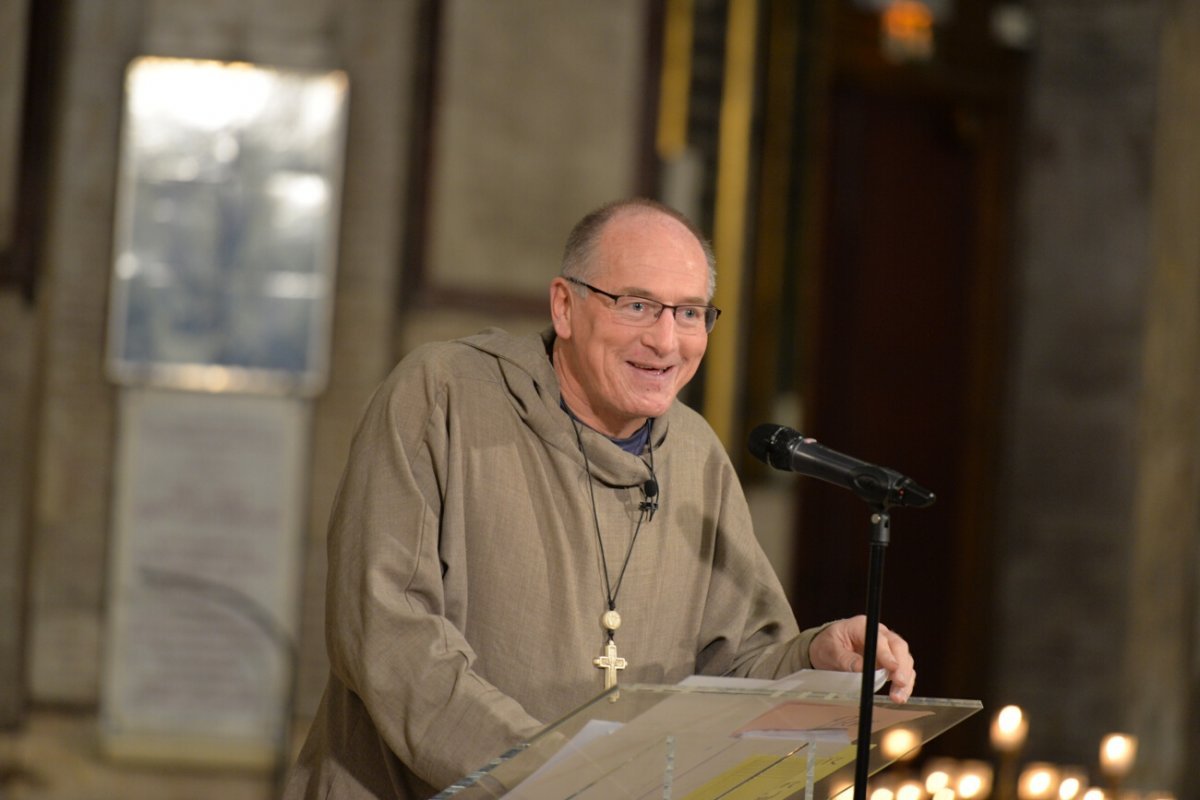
(805, 680)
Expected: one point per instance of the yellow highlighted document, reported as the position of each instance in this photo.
(770, 778)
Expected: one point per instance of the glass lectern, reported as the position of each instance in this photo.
(704, 742)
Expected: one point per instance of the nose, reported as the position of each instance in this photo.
(661, 335)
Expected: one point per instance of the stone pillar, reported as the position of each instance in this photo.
(74, 438)
(17, 324)
(17, 327)
(1162, 651)
(1069, 469)
(376, 43)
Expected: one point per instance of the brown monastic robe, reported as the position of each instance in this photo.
(465, 584)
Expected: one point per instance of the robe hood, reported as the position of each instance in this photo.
(533, 390)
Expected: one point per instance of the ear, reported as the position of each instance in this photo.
(562, 300)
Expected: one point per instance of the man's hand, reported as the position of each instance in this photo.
(840, 647)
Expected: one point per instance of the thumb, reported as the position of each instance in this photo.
(851, 662)
(835, 649)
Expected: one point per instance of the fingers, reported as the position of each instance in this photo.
(892, 654)
(840, 646)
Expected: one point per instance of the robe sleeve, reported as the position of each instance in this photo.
(749, 628)
(388, 637)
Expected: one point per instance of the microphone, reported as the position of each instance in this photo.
(650, 490)
(786, 449)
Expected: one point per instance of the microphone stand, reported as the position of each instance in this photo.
(881, 489)
(880, 532)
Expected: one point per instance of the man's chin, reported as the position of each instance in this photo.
(656, 409)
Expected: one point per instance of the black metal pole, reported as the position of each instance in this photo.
(880, 531)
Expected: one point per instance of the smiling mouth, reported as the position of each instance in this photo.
(650, 369)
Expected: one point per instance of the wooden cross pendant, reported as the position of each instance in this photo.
(610, 662)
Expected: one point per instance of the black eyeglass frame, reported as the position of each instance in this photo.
(709, 321)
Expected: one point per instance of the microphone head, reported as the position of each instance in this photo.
(761, 440)
(770, 443)
(650, 490)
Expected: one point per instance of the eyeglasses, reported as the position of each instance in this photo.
(643, 312)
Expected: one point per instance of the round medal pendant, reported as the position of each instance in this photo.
(611, 620)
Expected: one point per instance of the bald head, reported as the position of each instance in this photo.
(579, 255)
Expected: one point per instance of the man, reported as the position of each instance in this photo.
(517, 508)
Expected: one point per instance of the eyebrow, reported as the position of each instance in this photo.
(636, 291)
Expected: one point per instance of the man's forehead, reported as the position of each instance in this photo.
(649, 236)
(641, 218)
(651, 255)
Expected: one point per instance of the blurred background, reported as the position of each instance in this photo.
(959, 239)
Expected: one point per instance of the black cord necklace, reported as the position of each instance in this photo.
(610, 620)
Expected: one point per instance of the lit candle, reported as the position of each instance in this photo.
(910, 790)
(974, 779)
(1072, 781)
(1094, 793)
(1039, 781)
(1008, 732)
(883, 793)
(1069, 788)
(1117, 754)
(1009, 729)
(939, 773)
(900, 744)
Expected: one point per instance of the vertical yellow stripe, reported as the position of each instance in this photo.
(729, 228)
(765, 331)
(675, 79)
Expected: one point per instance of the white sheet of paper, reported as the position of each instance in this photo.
(806, 680)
